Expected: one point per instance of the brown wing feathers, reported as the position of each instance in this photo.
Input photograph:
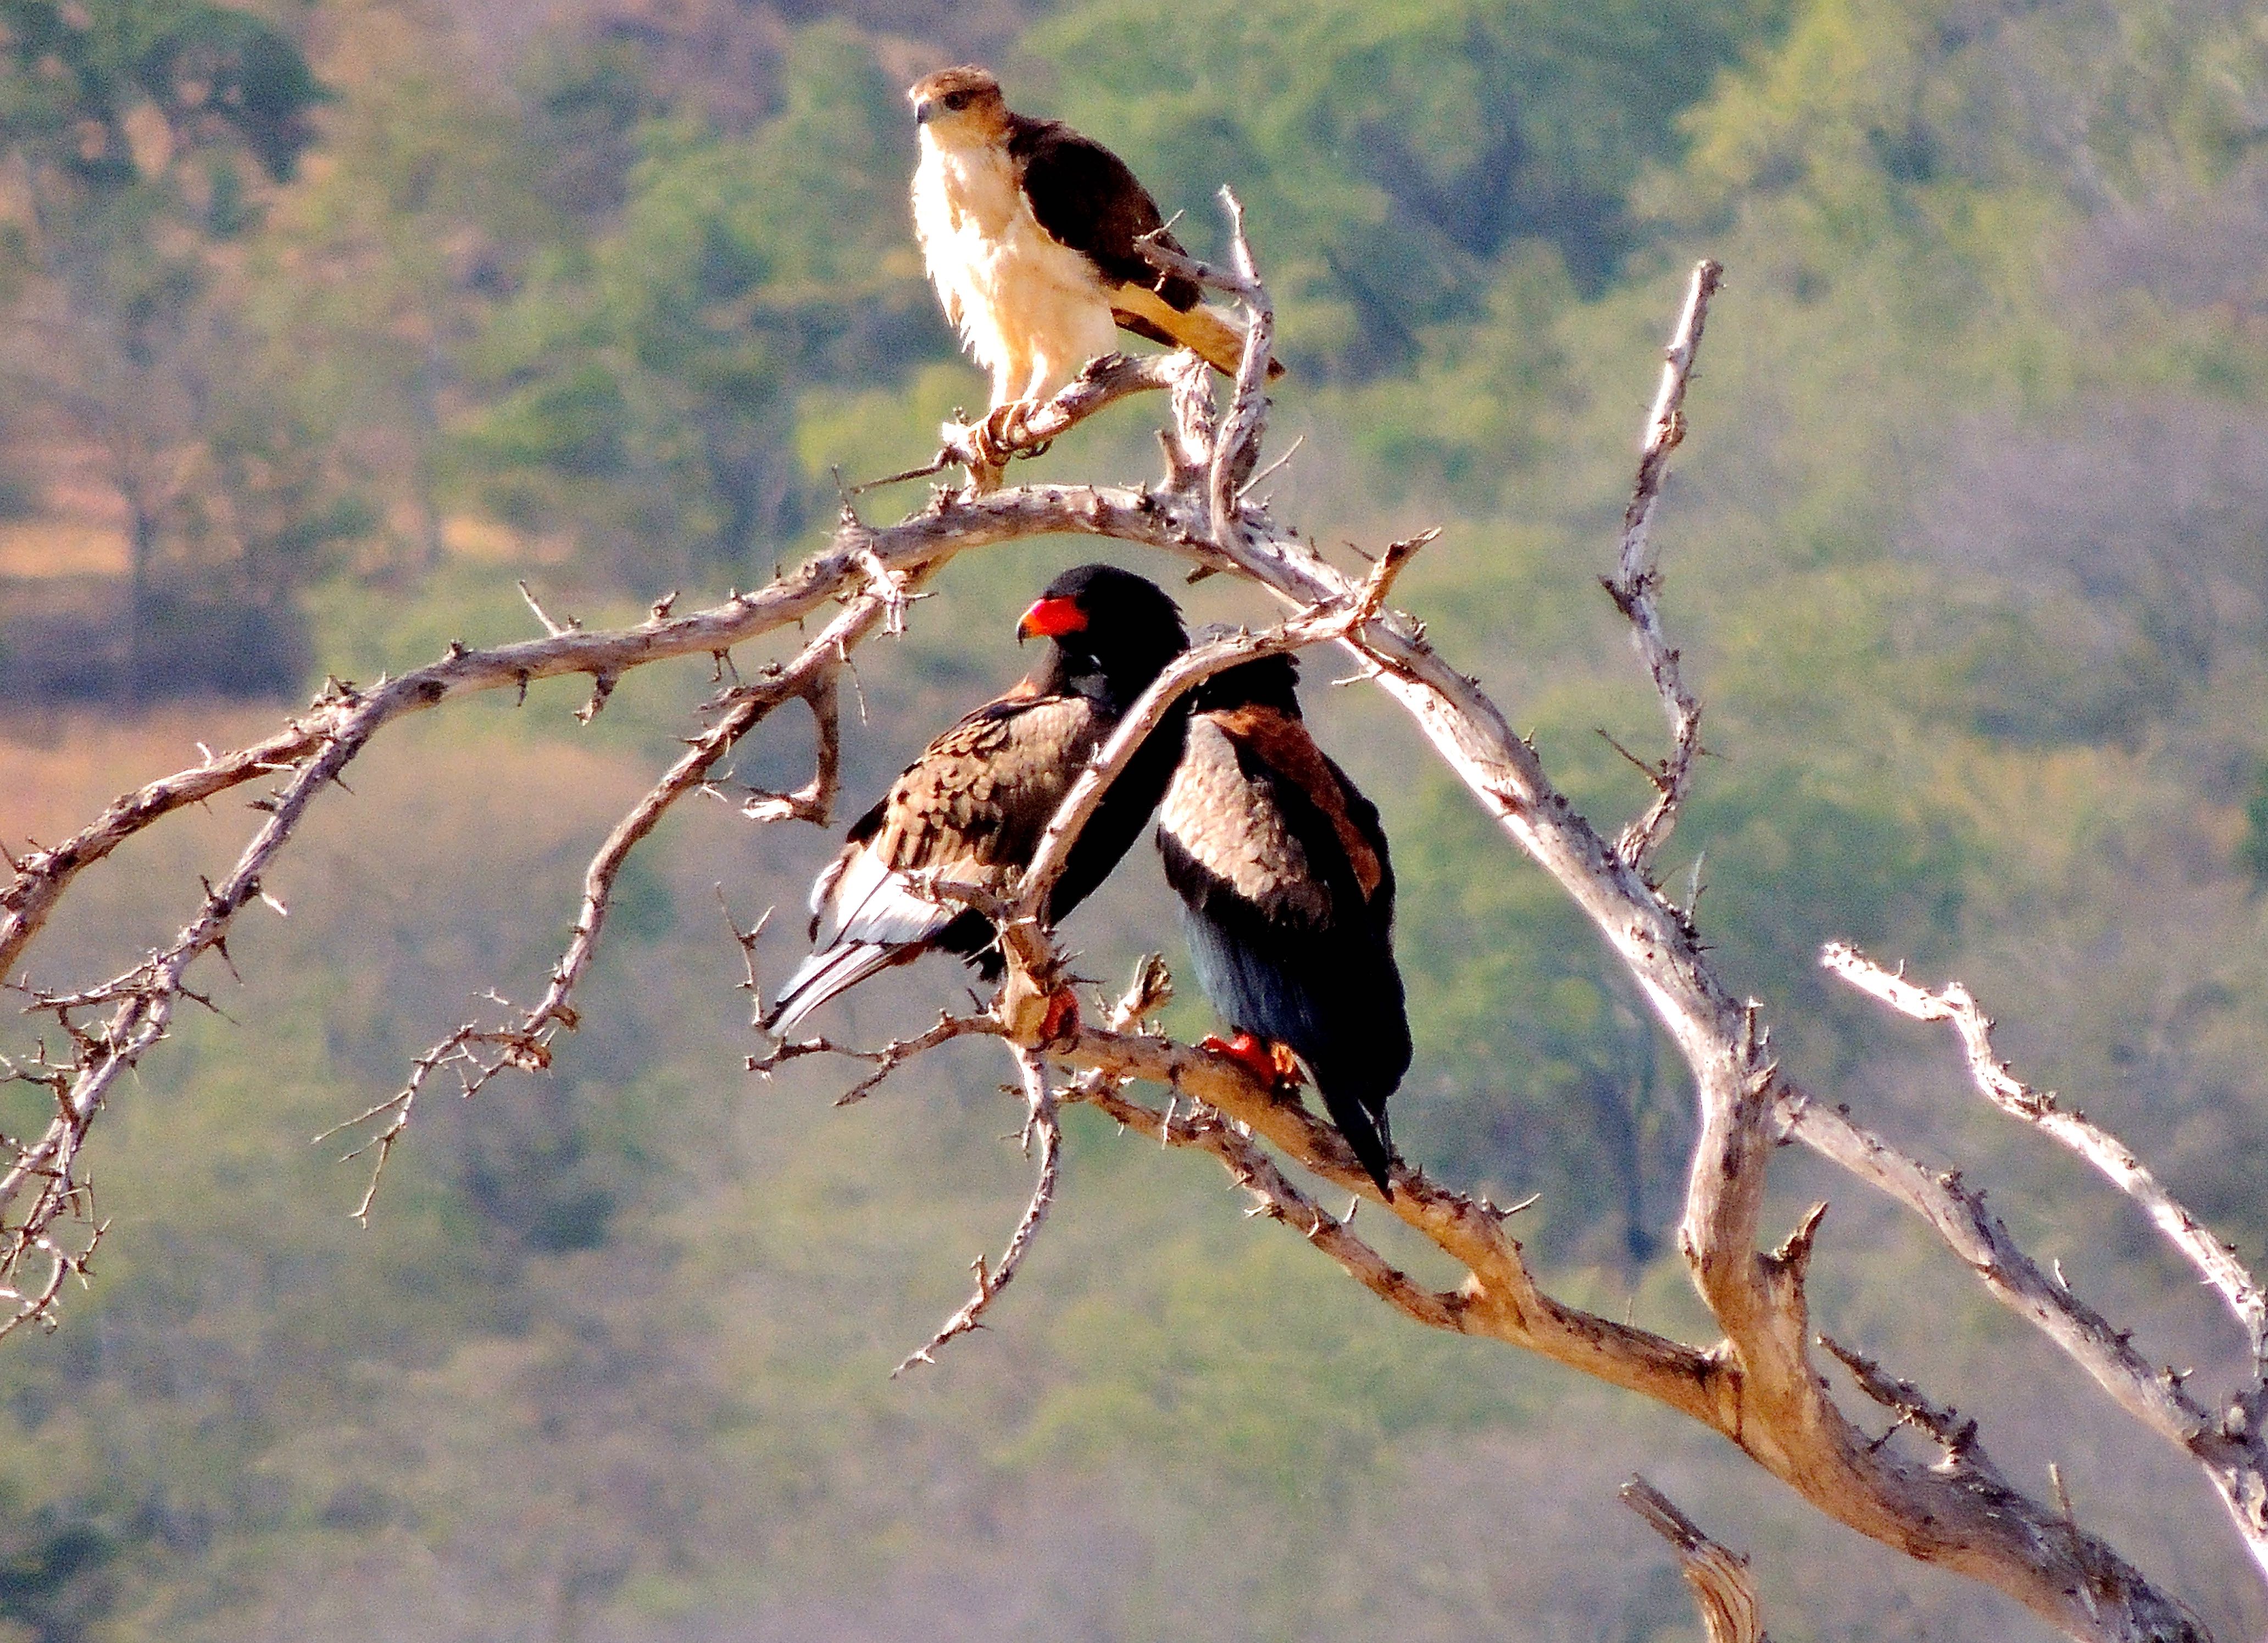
(1288, 897)
(1087, 198)
(971, 808)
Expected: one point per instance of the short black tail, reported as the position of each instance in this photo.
(1365, 1132)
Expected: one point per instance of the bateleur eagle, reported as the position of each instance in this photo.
(1287, 900)
(971, 809)
(1029, 233)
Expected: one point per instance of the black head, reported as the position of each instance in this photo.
(1268, 681)
(1112, 632)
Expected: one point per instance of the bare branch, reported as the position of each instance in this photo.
(1236, 450)
(2215, 1261)
(1637, 576)
(886, 1060)
(555, 628)
(1041, 1122)
(526, 1045)
(1722, 1587)
(2233, 1449)
(985, 446)
(815, 801)
(1983, 1243)
(1942, 1422)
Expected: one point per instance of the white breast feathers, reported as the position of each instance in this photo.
(1032, 310)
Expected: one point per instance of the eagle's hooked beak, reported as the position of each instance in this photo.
(923, 110)
(1049, 619)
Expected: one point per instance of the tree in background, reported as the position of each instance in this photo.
(649, 387)
(140, 133)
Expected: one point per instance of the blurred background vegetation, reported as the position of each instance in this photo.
(326, 320)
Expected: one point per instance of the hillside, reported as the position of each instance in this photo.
(1964, 554)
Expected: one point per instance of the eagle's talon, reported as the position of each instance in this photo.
(1273, 1065)
(1059, 1025)
(1004, 433)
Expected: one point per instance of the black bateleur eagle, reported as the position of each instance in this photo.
(1288, 901)
(971, 809)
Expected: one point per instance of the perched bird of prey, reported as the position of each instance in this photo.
(1288, 901)
(971, 809)
(1029, 230)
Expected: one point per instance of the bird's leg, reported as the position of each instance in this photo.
(1060, 1023)
(1006, 431)
(1272, 1064)
(986, 476)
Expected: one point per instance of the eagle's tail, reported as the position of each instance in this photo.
(1212, 335)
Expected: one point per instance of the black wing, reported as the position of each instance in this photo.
(1086, 197)
(1282, 870)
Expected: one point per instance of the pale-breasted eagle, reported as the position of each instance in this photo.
(1029, 230)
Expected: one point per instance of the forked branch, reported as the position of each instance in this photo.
(2233, 1449)
(1637, 580)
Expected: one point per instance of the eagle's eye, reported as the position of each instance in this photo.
(957, 99)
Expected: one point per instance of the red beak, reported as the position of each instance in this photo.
(1050, 618)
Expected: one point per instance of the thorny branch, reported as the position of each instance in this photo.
(1638, 576)
(1274, 1196)
(1041, 1122)
(2215, 1260)
(525, 1045)
(1756, 1385)
(884, 1061)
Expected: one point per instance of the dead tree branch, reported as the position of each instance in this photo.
(525, 1045)
(1638, 576)
(884, 1061)
(1103, 383)
(1041, 1122)
(2215, 1261)
(1723, 1589)
(2232, 1449)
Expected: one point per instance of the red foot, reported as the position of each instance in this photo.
(1060, 1024)
(1273, 1065)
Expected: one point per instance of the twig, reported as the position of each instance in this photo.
(884, 1061)
(1102, 382)
(557, 629)
(1040, 1100)
(1236, 451)
(1723, 1588)
(1942, 1421)
(815, 801)
(2215, 1261)
(1638, 576)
